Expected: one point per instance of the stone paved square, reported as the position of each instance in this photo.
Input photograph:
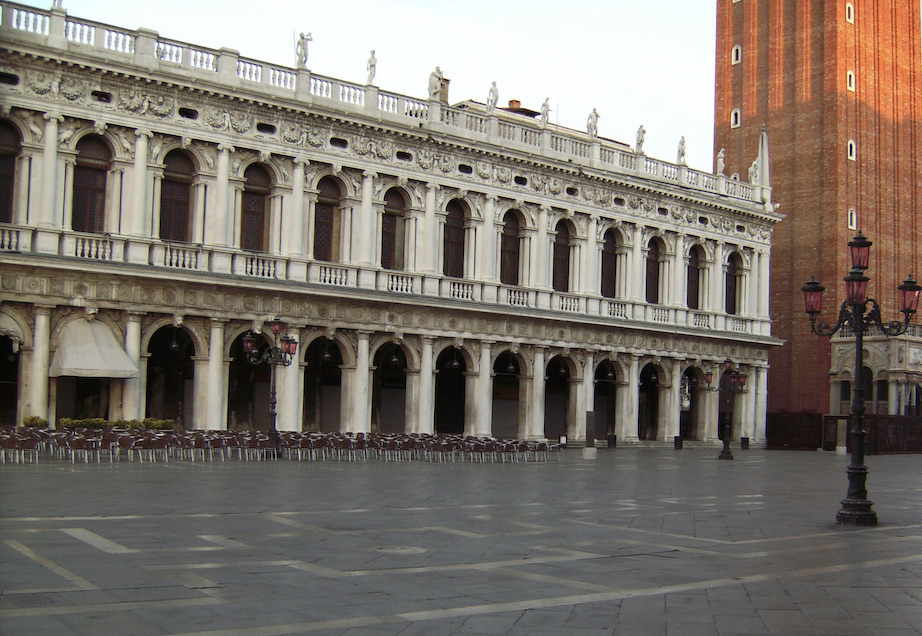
(637, 541)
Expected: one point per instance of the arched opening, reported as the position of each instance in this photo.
(453, 258)
(9, 380)
(509, 250)
(505, 396)
(10, 144)
(393, 231)
(450, 392)
(561, 258)
(609, 274)
(322, 386)
(176, 196)
(734, 272)
(327, 220)
(556, 398)
(691, 409)
(389, 393)
(648, 404)
(605, 389)
(254, 224)
(654, 251)
(170, 376)
(693, 291)
(248, 388)
(88, 213)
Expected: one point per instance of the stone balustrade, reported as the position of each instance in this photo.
(226, 68)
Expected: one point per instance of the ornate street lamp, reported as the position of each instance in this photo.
(733, 381)
(279, 352)
(855, 314)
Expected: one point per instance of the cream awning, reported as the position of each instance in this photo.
(88, 349)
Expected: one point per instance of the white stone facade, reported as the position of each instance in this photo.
(443, 269)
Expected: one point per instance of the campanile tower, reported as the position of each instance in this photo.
(838, 87)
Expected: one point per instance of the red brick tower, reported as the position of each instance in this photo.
(838, 87)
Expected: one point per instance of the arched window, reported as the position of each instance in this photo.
(653, 266)
(327, 220)
(393, 230)
(509, 250)
(610, 264)
(736, 54)
(849, 12)
(89, 207)
(693, 283)
(734, 271)
(175, 196)
(9, 149)
(852, 219)
(852, 150)
(561, 277)
(735, 118)
(254, 229)
(850, 80)
(453, 258)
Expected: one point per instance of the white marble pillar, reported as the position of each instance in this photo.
(425, 240)
(132, 398)
(589, 279)
(289, 393)
(629, 402)
(541, 263)
(216, 407)
(365, 223)
(47, 217)
(220, 227)
(41, 352)
(637, 267)
(295, 245)
(761, 405)
(361, 410)
(534, 422)
(426, 388)
(199, 393)
(672, 401)
(488, 252)
(139, 219)
(483, 418)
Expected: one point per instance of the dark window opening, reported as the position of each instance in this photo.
(102, 96)
(338, 142)
(188, 113)
(269, 129)
(521, 180)
(453, 264)
(465, 169)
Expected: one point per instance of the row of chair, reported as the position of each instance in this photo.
(86, 445)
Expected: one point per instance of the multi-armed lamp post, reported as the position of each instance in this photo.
(279, 352)
(855, 314)
(735, 382)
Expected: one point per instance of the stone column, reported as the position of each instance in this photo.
(761, 404)
(289, 393)
(541, 264)
(426, 239)
(138, 225)
(590, 276)
(483, 416)
(361, 420)
(638, 267)
(426, 416)
(673, 401)
(488, 254)
(365, 224)
(216, 406)
(41, 352)
(534, 421)
(295, 246)
(199, 393)
(221, 226)
(627, 403)
(132, 398)
(47, 217)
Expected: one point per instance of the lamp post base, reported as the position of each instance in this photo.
(725, 453)
(856, 512)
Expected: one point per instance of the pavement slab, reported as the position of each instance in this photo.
(636, 541)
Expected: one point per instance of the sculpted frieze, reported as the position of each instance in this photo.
(303, 135)
(373, 148)
(40, 82)
(72, 89)
(139, 103)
